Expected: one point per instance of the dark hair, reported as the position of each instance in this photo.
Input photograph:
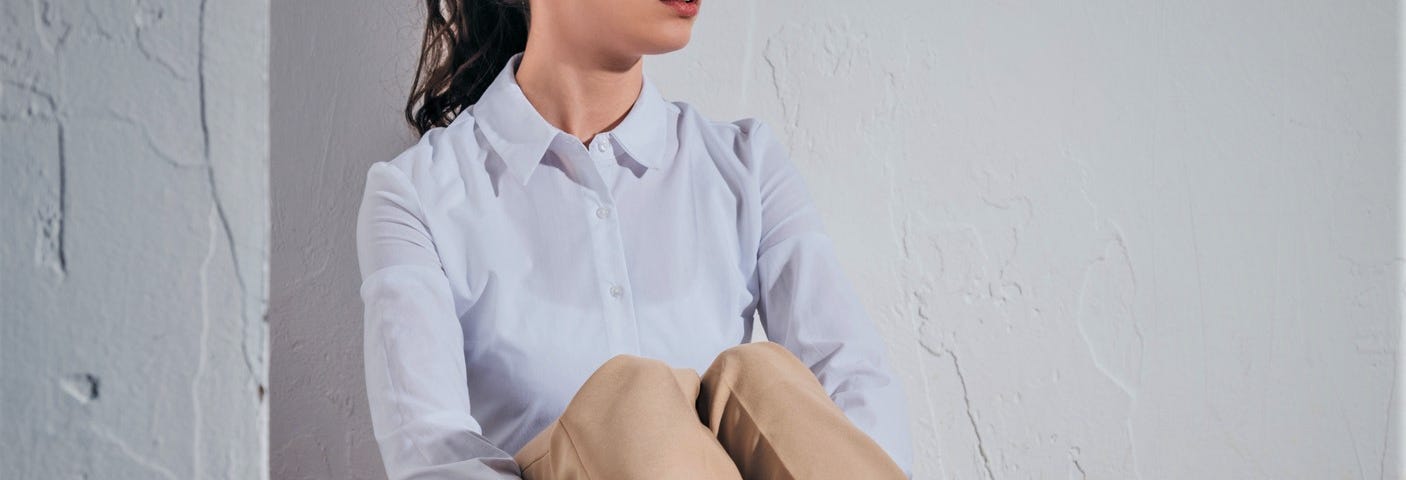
(466, 43)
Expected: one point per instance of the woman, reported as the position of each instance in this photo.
(546, 272)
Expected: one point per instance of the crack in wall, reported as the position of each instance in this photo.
(902, 235)
(151, 141)
(53, 217)
(60, 253)
(132, 454)
(1352, 440)
(1074, 459)
(218, 201)
(971, 416)
(46, 20)
(776, 85)
(148, 16)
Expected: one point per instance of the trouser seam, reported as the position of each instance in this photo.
(574, 450)
(732, 392)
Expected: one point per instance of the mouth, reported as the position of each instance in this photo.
(683, 8)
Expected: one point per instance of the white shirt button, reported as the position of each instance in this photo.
(600, 146)
(602, 212)
(616, 291)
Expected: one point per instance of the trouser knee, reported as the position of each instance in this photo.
(630, 375)
(753, 362)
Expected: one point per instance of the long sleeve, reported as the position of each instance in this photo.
(809, 305)
(415, 370)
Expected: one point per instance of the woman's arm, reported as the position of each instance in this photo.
(415, 373)
(809, 306)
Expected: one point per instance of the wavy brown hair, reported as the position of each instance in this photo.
(466, 43)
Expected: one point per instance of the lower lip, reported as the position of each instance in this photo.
(684, 9)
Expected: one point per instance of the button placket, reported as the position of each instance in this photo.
(621, 297)
(618, 312)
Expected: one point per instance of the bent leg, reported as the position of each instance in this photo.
(777, 423)
(634, 418)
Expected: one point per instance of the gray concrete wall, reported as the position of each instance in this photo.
(339, 75)
(134, 238)
(1103, 239)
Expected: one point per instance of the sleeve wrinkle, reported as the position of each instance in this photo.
(418, 393)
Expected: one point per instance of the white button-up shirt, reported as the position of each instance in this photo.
(502, 261)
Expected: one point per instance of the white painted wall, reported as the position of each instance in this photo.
(1104, 240)
(133, 239)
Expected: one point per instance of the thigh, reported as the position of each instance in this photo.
(634, 418)
(777, 422)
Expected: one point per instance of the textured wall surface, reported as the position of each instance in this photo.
(339, 71)
(1127, 239)
(133, 251)
(1104, 239)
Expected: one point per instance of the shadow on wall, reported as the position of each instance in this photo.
(339, 71)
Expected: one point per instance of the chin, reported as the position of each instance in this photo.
(665, 40)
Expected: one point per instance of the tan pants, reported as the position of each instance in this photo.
(757, 413)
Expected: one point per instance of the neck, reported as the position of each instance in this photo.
(581, 92)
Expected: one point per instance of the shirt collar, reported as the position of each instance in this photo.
(519, 134)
